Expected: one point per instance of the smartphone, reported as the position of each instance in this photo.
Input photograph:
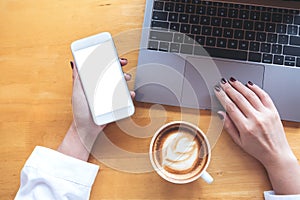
(102, 78)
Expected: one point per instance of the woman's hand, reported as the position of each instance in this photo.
(252, 120)
(83, 132)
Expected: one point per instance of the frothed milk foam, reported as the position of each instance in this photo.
(179, 152)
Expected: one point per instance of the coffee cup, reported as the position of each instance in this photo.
(180, 153)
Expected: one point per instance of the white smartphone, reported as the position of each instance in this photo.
(102, 78)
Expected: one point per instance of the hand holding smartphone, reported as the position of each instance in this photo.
(102, 78)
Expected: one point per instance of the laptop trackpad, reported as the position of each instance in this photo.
(202, 74)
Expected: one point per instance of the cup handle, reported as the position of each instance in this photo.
(207, 177)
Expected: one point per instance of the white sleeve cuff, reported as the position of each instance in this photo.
(270, 195)
(58, 165)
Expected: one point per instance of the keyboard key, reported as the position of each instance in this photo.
(255, 57)
(216, 21)
(277, 17)
(261, 36)
(290, 58)
(276, 48)
(210, 41)
(205, 20)
(270, 27)
(194, 19)
(226, 53)
(200, 40)
(278, 60)
(222, 12)
(288, 63)
(228, 33)
(158, 5)
(179, 7)
(184, 18)
(163, 36)
(298, 62)
(212, 11)
(158, 15)
(293, 30)
(178, 38)
(237, 23)
(267, 58)
(294, 40)
(259, 26)
(196, 29)
(232, 44)
(250, 35)
(239, 34)
(226, 22)
(297, 20)
(174, 27)
(281, 28)
(190, 8)
(217, 32)
(189, 39)
(233, 13)
(186, 49)
(201, 10)
(243, 45)
(283, 39)
(160, 24)
(174, 48)
(265, 47)
(206, 30)
(169, 6)
(248, 25)
(272, 38)
(254, 46)
(293, 51)
(265, 16)
(173, 17)
(153, 45)
(221, 42)
(288, 19)
(185, 28)
(254, 15)
(244, 14)
(163, 46)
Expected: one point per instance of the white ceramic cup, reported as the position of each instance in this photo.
(180, 178)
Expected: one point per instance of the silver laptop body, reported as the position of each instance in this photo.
(180, 64)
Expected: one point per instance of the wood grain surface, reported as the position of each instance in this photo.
(35, 104)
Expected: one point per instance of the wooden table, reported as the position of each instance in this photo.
(35, 103)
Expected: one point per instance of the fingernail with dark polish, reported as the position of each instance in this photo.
(250, 83)
(223, 81)
(220, 116)
(72, 64)
(217, 88)
(232, 79)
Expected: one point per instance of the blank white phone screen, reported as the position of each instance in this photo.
(102, 79)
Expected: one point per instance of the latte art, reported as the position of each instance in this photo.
(180, 152)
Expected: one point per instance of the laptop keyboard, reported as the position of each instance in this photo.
(226, 30)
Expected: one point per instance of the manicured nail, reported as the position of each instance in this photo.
(72, 64)
(250, 83)
(217, 88)
(220, 116)
(124, 59)
(223, 81)
(232, 79)
(128, 75)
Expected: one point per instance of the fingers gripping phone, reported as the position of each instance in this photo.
(102, 78)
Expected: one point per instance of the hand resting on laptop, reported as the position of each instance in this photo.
(252, 121)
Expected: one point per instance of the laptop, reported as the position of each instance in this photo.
(187, 46)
